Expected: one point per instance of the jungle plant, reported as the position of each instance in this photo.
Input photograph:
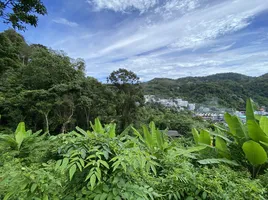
(98, 159)
(153, 138)
(35, 182)
(16, 141)
(102, 165)
(240, 141)
(108, 130)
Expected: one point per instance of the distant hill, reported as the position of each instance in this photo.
(230, 89)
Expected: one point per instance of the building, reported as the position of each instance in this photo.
(173, 133)
(170, 103)
(191, 106)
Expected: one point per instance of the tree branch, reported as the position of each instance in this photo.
(7, 2)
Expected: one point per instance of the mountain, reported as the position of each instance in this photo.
(228, 89)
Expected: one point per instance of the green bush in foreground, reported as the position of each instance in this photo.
(100, 165)
(239, 144)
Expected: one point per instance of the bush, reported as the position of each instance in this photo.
(100, 164)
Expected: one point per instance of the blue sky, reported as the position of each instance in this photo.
(158, 38)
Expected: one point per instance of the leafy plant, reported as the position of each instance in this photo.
(103, 165)
(21, 135)
(250, 140)
(153, 138)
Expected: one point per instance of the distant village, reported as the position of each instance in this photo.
(215, 114)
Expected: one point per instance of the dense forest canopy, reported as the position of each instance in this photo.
(230, 89)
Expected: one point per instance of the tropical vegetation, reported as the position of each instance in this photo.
(101, 163)
(67, 136)
(228, 90)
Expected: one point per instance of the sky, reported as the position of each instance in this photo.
(158, 38)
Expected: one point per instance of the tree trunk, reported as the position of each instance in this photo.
(63, 128)
(47, 124)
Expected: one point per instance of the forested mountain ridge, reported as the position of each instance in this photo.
(230, 89)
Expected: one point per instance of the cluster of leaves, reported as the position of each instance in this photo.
(101, 164)
(246, 144)
(21, 12)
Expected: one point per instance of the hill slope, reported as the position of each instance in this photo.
(230, 89)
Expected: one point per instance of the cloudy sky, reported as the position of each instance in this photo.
(158, 38)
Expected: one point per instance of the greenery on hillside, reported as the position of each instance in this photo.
(48, 90)
(230, 89)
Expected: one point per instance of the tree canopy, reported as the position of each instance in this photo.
(230, 89)
(19, 13)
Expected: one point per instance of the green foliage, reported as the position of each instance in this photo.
(165, 118)
(126, 86)
(100, 164)
(255, 153)
(247, 144)
(49, 90)
(228, 89)
(154, 139)
(15, 142)
(21, 12)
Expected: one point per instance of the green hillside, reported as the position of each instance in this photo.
(230, 89)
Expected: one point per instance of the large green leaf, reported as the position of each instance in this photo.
(7, 140)
(160, 139)
(250, 110)
(204, 137)
(235, 125)
(264, 124)
(153, 133)
(221, 135)
(147, 137)
(93, 181)
(20, 134)
(81, 131)
(72, 171)
(185, 152)
(196, 135)
(111, 130)
(255, 132)
(254, 152)
(97, 127)
(217, 161)
(136, 132)
(157, 137)
(221, 146)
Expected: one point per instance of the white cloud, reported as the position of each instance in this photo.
(166, 45)
(65, 22)
(222, 48)
(249, 60)
(171, 8)
(193, 30)
(123, 5)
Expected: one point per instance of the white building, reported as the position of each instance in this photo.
(176, 103)
(191, 106)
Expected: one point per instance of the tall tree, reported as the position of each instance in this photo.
(129, 95)
(21, 12)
